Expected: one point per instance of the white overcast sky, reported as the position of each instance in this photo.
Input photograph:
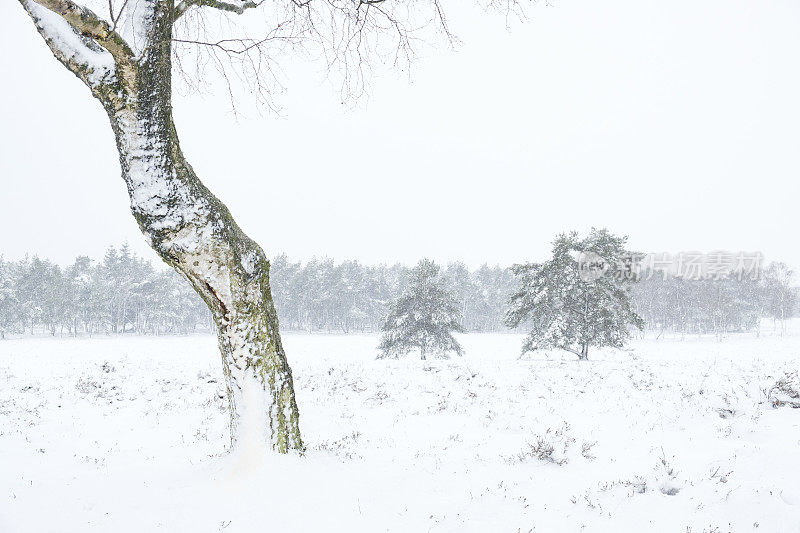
(675, 122)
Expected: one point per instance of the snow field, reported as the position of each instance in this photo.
(130, 433)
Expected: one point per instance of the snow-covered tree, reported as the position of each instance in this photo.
(40, 294)
(349, 300)
(83, 291)
(578, 299)
(494, 287)
(424, 317)
(458, 280)
(780, 297)
(9, 304)
(124, 52)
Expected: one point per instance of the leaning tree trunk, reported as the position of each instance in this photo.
(191, 229)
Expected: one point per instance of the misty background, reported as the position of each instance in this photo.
(121, 292)
(673, 122)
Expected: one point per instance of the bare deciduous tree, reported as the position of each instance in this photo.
(127, 57)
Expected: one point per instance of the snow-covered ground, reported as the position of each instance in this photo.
(129, 434)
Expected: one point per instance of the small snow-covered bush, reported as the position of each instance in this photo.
(551, 446)
(586, 450)
(663, 478)
(728, 407)
(720, 477)
(92, 387)
(345, 447)
(667, 477)
(785, 391)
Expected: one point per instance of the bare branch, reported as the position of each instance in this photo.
(242, 61)
(351, 37)
(232, 6)
(235, 46)
(115, 19)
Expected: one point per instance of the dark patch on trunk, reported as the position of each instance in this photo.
(222, 307)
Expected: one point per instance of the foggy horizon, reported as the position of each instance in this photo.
(685, 141)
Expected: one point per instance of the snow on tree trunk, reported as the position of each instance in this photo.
(188, 226)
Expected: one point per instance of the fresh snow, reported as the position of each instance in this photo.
(130, 433)
(99, 61)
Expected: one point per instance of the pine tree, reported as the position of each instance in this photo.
(780, 298)
(579, 298)
(459, 281)
(8, 299)
(424, 317)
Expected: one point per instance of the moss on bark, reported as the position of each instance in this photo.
(189, 228)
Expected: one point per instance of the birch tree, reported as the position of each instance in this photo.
(125, 52)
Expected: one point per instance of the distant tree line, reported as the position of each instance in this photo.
(321, 295)
(123, 293)
(120, 294)
(737, 303)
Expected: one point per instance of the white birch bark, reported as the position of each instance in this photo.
(184, 222)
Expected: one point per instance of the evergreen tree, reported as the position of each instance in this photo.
(578, 299)
(349, 299)
(79, 282)
(40, 293)
(459, 282)
(283, 281)
(493, 289)
(8, 299)
(424, 317)
(780, 298)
